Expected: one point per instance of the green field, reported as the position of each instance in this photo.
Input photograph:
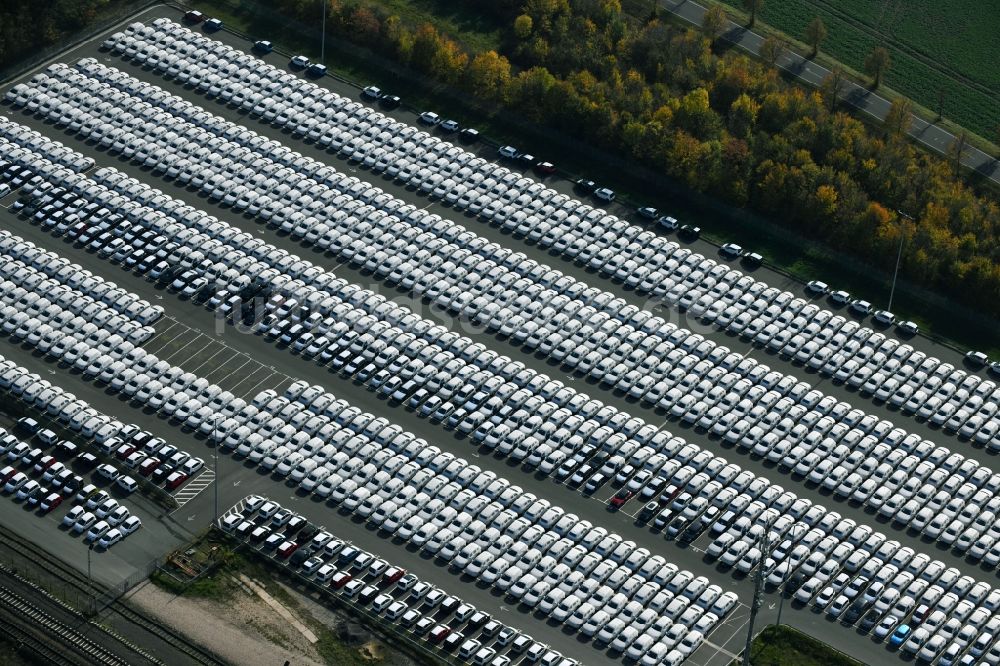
(784, 646)
(935, 46)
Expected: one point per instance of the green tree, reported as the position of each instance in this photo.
(523, 26)
(743, 116)
(877, 64)
(488, 77)
(714, 22)
(753, 6)
(695, 115)
(815, 34)
(426, 44)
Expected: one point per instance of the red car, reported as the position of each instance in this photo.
(51, 501)
(194, 17)
(439, 633)
(147, 466)
(545, 167)
(287, 548)
(621, 497)
(392, 574)
(340, 579)
(124, 451)
(175, 479)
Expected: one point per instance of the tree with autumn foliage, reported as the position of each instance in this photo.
(720, 123)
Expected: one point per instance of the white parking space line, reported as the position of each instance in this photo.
(248, 376)
(159, 333)
(194, 487)
(188, 344)
(253, 389)
(221, 368)
(209, 359)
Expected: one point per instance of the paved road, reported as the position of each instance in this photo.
(189, 337)
(932, 136)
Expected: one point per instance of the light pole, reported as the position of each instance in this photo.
(758, 591)
(90, 580)
(899, 256)
(322, 37)
(215, 453)
(781, 593)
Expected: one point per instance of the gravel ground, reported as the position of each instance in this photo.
(243, 630)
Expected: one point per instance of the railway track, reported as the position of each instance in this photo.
(69, 575)
(38, 642)
(29, 618)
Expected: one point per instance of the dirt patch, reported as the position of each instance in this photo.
(243, 630)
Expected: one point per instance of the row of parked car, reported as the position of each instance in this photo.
(694, 396)
(43, 477)
(140, 360)
(702, 289)
(967, 426)
(379, 589)
(481, 524)
(971, 391)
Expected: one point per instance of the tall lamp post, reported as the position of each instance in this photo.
(758, 592)
(322, 36)
(781, 601)
(90, 579)
(899, 256)
(215, 453)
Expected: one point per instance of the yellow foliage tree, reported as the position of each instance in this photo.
(488, 77)
(826, 199)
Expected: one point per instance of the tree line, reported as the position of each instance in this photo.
(659, 93)
(26, 26)
(718, 121)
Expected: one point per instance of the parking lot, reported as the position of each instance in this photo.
(235, 359)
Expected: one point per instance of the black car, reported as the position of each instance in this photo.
(469, 135)
(86, 461)
(167, 276)
(160, 474)
(27, 425)
(794, 583)
(854, 612)
(648, 511)
(390, 101)
(675, 528)
(298, 557)
(752, 260)
(869, 621)
(295, 524)
(586, 186)
(690, 231)
(306, 532)
(263, 46)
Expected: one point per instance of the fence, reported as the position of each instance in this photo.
(115, 592)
